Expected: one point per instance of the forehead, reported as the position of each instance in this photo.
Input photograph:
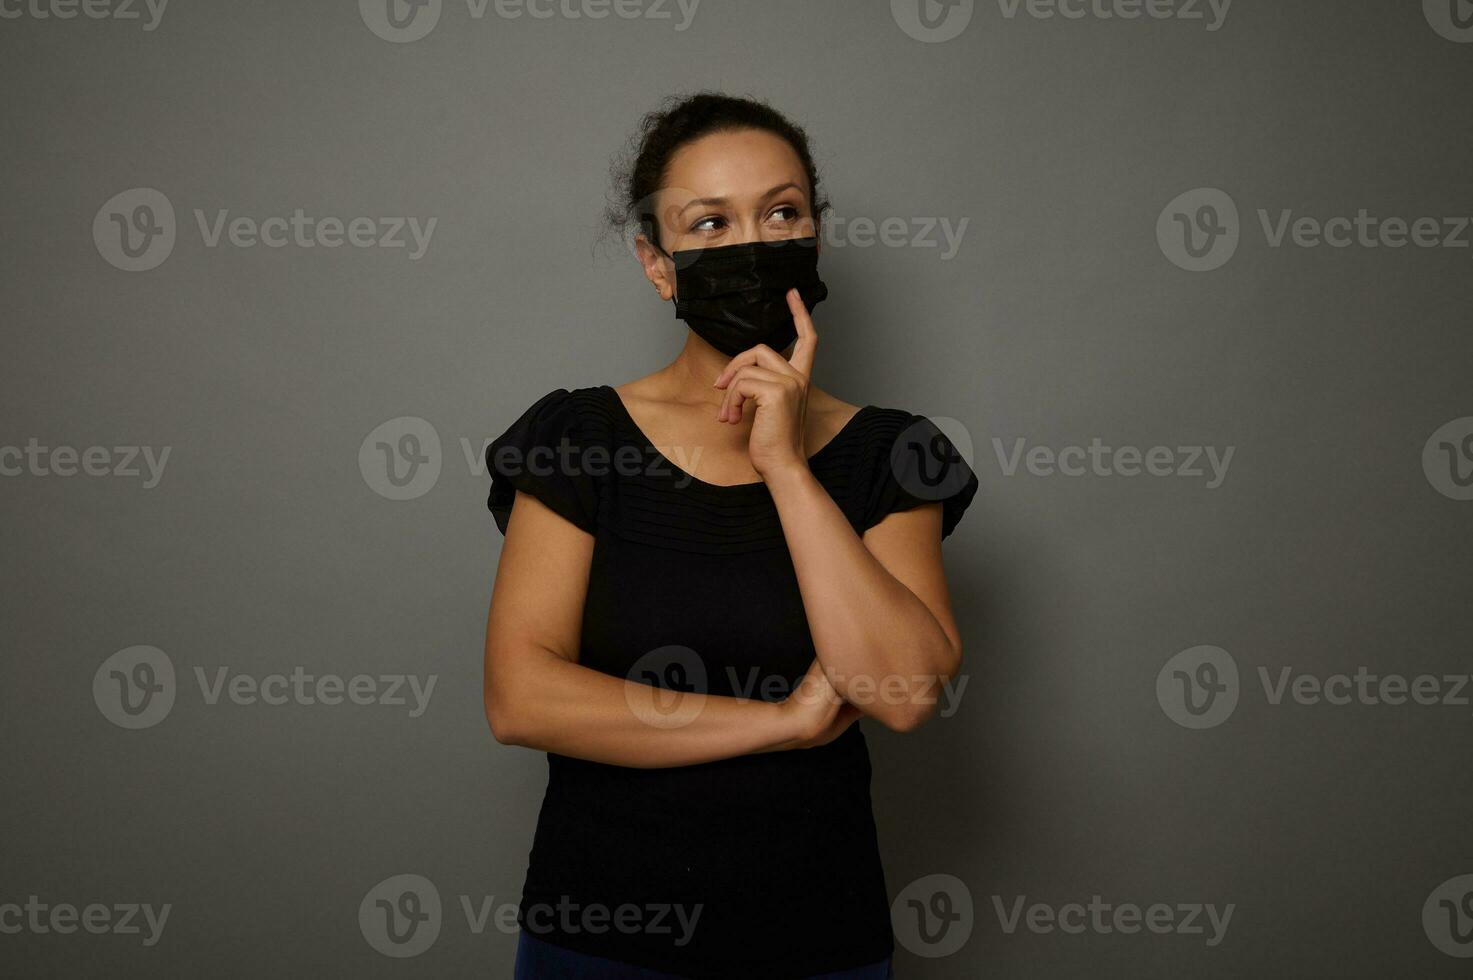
(736, 164)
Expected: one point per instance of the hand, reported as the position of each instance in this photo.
(815, 711)
(778, 389)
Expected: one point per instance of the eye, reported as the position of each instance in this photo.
(710, 223)
(784, 213)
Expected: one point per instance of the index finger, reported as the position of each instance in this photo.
(803, 350)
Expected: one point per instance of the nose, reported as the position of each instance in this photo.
(748, 229)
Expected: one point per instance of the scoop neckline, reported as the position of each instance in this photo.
(623, 410)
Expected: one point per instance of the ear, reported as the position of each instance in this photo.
(658, 268)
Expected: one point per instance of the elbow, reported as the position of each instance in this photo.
(923, 696)
(907, 717)
(510, 696)
(506, 725)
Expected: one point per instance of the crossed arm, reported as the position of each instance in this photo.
(877, 605)
(877, 608)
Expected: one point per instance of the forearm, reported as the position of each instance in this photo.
(556, 705)
(879, 644)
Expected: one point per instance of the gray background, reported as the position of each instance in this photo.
(1060, 319)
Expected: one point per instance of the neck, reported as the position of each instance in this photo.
(699, 364)
(697, 367)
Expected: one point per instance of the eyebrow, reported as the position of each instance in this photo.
(716, 201)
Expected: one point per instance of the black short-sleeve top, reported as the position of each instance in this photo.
(765, 865)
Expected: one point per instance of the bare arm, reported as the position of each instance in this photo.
(537, 695)
(877, 606)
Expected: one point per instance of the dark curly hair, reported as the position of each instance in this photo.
(639, 173)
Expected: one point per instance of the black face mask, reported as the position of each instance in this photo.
(735, 296)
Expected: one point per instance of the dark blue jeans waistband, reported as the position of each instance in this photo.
(541, 960)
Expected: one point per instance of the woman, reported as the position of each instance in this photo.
(691, 632)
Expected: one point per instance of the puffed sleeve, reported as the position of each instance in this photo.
(913, 462)
(543, 454)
